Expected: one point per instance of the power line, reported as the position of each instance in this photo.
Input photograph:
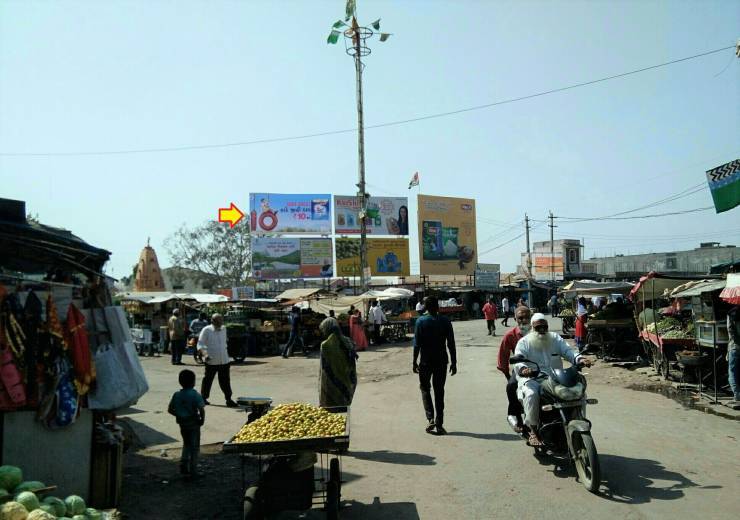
(379, 125)
(694, 210)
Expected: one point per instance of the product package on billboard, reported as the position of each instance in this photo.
(290, 213)
(385, 215)
(274, 258)
(447, 233)
(386, 256)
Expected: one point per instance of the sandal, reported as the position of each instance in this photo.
(534, 440)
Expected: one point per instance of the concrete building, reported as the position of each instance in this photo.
(564, 265)
(692, 262)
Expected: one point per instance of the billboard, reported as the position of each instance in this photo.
(292, 258)
(290, 213)
(385, 256)
(488, 276)
(386, 215)
(545, 267)
(447, 235)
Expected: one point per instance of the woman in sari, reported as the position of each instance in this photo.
(356, 331)
(337, 366)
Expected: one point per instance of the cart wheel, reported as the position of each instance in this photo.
(332, 501)
(252, 509)
(335, 475)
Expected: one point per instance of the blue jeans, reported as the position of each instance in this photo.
(190, 449)
(293, 339)
(734, 373)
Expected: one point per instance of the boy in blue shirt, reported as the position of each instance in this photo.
(188, 407)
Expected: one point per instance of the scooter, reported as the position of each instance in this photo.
(564, 429)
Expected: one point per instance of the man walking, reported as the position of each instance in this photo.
(490, 313)
(553, 304)
(433, 337)
(377, 317)
(176, 331)
(733, 345)
(505, 310)
(508, 344)
(295, 333)
(212, 347)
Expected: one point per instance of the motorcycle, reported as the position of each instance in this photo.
(564, 429)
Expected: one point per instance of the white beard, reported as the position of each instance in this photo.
(537, 341)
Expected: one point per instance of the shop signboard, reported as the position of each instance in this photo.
(385, 256)
(447, 243)
(385, 215)
(290, 213)
(291, 258)
(242, 293)
(548, 268)
(487, 279)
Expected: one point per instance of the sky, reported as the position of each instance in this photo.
(87, 76)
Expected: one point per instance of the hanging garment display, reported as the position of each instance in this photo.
(79, 350)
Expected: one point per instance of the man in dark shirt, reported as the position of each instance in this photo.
(433, 336)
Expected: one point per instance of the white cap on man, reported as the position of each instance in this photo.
(537, 316)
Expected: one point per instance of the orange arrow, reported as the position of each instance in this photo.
(231, 215)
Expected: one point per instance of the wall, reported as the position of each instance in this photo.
(695, 261)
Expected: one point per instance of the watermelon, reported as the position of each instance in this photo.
(93, 514)
(28, 499)
(48, 508)
(31, 485)
(3, 493)
(75, 505)
(13, 511)
(40, 514)
(10, 477)
(79, 517)
(60, 509)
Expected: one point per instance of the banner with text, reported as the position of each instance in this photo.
(292, 258)
(385, 215)
(548, 268)
(447, 235)
(290, 213)
(385, 256)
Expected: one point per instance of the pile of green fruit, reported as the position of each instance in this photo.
(26, 504)
(664, 325)
(292, 421)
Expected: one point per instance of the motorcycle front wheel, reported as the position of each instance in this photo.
(586, 460)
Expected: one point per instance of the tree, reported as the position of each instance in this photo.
(215, 249)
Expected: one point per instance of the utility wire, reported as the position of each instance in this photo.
(694, 210)
(380, 125)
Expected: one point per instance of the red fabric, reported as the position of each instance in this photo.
(731, 295)
(357, 333)
(490, 312)
(508, 344)
(79, 350)
(12, 391)
(581, 326)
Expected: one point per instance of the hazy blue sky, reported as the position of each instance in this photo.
(118, 75)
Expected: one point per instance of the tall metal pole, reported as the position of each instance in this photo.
(529, 262)
(552, 249)
(362, 195)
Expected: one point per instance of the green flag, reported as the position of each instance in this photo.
(338, 24)
(724, 182)
(376, 24)
(384, 36)
(333, 36)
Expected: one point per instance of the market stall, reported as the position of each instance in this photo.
(68, 363)
(661, 341)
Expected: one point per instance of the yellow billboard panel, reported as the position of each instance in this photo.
(385, 256)
(447, 235)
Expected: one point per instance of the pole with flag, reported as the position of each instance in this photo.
(414, 180)
(724, 183)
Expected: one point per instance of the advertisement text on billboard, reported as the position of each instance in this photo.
(385, 215)
(447, 235)
(290, 213)
(291, 258)
(385, 256)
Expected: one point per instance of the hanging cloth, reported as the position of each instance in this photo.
(12, 390)
(32, 325)
(79, 350)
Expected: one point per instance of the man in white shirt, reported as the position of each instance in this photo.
(420, 307)
(505, 310)
(212, 347)
(377, 317)
(548, 350)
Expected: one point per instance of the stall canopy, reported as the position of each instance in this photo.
(597, 288)
(659, 285)
(690, 289)
(31, 247)
(731, 292)
(303, 294)
(161, 297)
(341, 304)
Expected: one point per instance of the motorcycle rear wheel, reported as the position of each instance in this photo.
(587, 461)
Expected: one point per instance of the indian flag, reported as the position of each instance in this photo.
(724, 182)
(414, 180)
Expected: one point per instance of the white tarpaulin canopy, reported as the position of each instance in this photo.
(161, 297)
(341, 304)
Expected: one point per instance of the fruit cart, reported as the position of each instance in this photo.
(395, 329)
(613, 339)
(278, 486)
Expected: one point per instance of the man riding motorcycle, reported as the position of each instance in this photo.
(548, 350)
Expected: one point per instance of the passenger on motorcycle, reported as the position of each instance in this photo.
(548, 350)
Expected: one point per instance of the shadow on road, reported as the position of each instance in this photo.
(487, 436)
(138, 434)
(393, 457)
(633, 481)
(380, 511)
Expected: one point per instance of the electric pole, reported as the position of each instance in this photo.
(529, 262)
(355, 39)
(552, 247)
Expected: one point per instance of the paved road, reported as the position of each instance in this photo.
(659, 460)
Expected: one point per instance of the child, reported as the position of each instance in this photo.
(188, 407)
